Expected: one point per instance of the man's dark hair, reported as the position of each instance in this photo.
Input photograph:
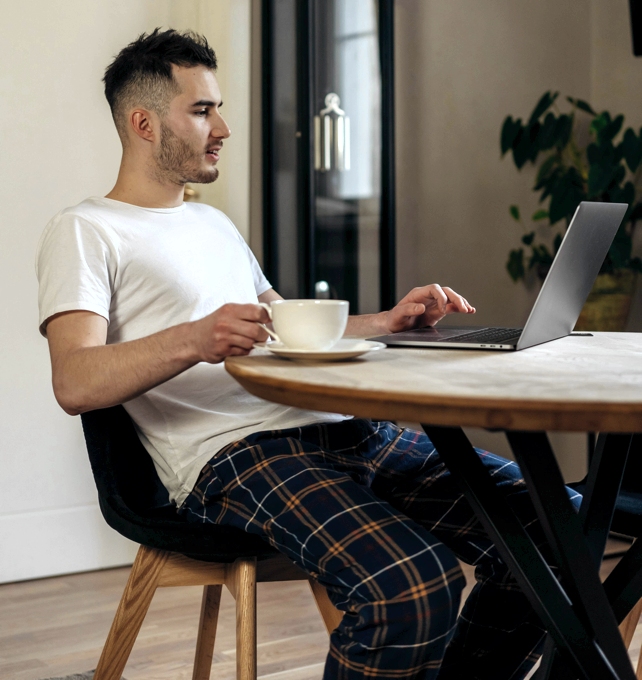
(141, 74)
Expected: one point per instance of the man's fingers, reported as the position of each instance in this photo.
(250, 330)
(409, 309)
(241, 341)
(438, 293)
(247, 312)
(457, 300)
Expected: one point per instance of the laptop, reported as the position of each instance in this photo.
(560, 300)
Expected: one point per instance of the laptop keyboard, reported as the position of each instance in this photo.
(487, 335)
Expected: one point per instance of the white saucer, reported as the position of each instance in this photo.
(343, 349)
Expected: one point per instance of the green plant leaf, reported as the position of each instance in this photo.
(613, 128)
(527, 239)
(521, 148)
(599, 123)
(557, 242)
(510, 129)
(636, 213)
(514, 211)
(567, 194)
(582, 105)
(542, 105)
(525, 147)
(620, 250)
(545, 168)
(515, 264)
(564, 129)
(541, 259)
(598, 179)
(631, 146)
(539, 215)
(623, 194)
(548, 132)
(635, 263)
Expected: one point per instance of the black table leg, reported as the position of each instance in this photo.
(578, 559)
(597, 654)
(603, 483)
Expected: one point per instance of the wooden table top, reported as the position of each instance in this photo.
(573, 384)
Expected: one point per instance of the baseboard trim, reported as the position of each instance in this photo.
(60, 541)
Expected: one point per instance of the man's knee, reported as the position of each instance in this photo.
(417, 596)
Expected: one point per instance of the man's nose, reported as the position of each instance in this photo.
(221, 129)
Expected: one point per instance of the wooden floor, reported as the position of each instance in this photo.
(57, 626)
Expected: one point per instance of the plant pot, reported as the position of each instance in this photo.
(608, 305)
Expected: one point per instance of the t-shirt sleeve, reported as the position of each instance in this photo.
(75, 265)
(261, 284)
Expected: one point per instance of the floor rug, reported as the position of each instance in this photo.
(78, 676)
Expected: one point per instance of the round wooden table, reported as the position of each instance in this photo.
(578, 383)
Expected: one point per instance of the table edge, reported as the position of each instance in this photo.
(490, 413)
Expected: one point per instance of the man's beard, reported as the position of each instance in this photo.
(179, 163)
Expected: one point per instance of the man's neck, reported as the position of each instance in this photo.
(137, 186)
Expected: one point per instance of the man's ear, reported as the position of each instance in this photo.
(144, 124)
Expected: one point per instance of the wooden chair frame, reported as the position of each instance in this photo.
(155, 568)
(627, 629)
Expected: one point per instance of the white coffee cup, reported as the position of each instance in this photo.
(308, 324)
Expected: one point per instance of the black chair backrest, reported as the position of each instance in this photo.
(136, 504)
(122, 467)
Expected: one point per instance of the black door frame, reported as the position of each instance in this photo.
(304, 138)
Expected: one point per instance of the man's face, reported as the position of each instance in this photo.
(193, 130)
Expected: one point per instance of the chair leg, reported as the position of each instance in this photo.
(242, 584)
(329, 613)
(628, 626)
(207, 632)
(131, 612)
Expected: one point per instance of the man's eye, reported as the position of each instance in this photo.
(202, 113)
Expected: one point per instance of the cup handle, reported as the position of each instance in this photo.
(271, 333)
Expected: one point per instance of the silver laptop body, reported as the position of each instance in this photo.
(560, 300)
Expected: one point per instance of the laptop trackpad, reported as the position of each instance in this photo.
(432, 334)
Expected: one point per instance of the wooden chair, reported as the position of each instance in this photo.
(174, 552)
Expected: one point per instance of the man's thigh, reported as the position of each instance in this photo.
(314, 504)
(409, 473)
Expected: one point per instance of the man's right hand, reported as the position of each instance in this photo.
(89, 374)
(229, 331)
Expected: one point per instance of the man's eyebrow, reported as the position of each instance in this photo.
(206, 102)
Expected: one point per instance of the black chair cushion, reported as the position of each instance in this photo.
(136, 504)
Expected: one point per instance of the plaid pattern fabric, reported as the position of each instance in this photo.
(371, 512)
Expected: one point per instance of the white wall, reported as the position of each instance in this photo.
(59, 146)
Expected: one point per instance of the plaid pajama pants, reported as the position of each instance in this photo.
(371, 512)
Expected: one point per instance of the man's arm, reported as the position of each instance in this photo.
(88, 374)
(423, 306)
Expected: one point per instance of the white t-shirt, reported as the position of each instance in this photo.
(145, 270)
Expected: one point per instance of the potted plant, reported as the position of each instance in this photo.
(582, 156)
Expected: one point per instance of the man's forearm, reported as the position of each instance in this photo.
(97, 377)
(365, 325)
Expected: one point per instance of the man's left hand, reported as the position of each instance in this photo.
(425, 306)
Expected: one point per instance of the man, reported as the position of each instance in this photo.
(142, 297)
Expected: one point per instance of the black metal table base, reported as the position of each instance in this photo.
(579, 613)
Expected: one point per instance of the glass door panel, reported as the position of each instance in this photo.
(347, 139)
(329, 206)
